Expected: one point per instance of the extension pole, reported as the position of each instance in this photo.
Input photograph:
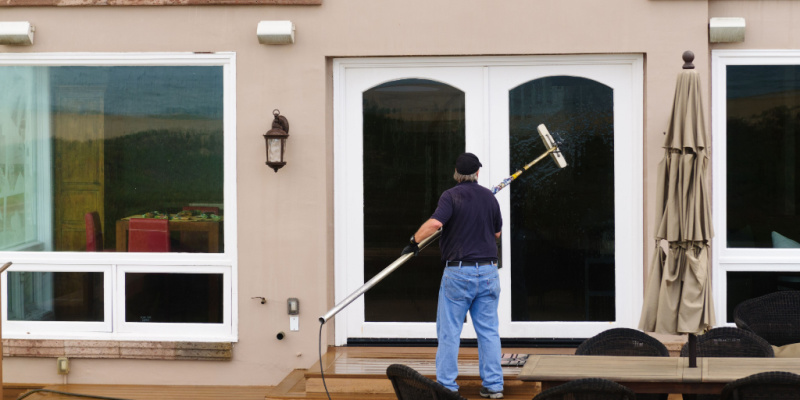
(552, 150)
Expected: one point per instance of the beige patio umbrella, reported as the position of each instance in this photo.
(678, 289)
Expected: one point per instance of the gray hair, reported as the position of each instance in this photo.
(465, 178)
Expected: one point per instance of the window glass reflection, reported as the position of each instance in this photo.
(55, 296)
(763, 122)
(562, 220)
(176, 298)
(748, 285)
(413, 132)
(119, 141)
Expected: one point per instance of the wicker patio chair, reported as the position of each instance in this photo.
(764, 386)
(727, 342)
(411, 385)
(730, 342)
(625, 342)
(587, 389)
(622, 342)
(775, 317)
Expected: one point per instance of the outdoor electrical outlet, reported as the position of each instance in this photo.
(294, 323)
(62, 365)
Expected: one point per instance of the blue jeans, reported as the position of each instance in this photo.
(477, 290)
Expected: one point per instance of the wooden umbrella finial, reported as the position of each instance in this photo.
(688, 57)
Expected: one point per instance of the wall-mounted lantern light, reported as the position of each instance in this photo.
(17, 33)
(276, 141)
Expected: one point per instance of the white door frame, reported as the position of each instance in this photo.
(486, 133)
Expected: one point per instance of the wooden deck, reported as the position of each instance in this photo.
(138, 392)
(350, 373)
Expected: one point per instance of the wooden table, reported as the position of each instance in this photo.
(651, 374)
(208, 226)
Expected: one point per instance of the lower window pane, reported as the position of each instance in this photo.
(55, 296)
(748, 285)
(174, 298)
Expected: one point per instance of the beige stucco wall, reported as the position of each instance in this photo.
(285, 226)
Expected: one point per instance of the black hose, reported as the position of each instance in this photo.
(88, 396)
(321, 369)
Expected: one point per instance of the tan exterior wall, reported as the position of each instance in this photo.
(285, 227)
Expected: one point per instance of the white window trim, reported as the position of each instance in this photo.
(726, 259)
(50, 329)
(226, 262)
(168, 331)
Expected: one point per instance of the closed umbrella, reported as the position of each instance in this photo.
(678, 290)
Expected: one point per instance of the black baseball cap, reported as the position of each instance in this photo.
(467, 164)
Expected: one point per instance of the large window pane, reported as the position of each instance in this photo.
(763, 122)
(55, 296)
(562, 221)
(120, 141)
(413, 132)
(176, 298)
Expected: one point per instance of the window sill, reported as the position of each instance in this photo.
(110, 349)
(98, 3)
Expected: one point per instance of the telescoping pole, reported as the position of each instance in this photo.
(552, 150)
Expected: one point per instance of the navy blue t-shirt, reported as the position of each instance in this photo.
(470, 216)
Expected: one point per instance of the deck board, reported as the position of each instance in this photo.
(143, 392)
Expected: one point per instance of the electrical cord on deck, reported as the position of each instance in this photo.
(88, 396)
(321, 369)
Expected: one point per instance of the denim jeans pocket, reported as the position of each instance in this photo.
(493, 286)
(456, 289)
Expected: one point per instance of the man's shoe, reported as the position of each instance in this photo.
(491, 394)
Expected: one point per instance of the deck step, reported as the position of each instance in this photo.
(355, 373)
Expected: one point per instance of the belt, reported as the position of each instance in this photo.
(469, 263)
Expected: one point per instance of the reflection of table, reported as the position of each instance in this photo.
(651, 374)
(177, 225)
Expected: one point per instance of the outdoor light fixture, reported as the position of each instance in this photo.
(276, 141)
(275, 32)
(16, 33)
(726, 30)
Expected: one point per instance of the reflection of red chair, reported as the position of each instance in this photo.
(148, 235)
(94, 232)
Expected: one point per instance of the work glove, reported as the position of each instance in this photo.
(413, 247)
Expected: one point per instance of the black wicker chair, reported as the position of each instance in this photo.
(622, 342)
(775, 317)
(587, 389)
(625, 342)
(411, 385)
(727, 342)
(764, 386)
(730, 342)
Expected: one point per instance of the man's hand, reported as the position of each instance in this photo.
(413, 247)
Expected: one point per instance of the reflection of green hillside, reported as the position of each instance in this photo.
(161, 170)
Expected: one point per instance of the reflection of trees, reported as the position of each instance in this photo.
(562, 220)
(413, 131)
(161, 170)
(762, 171)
